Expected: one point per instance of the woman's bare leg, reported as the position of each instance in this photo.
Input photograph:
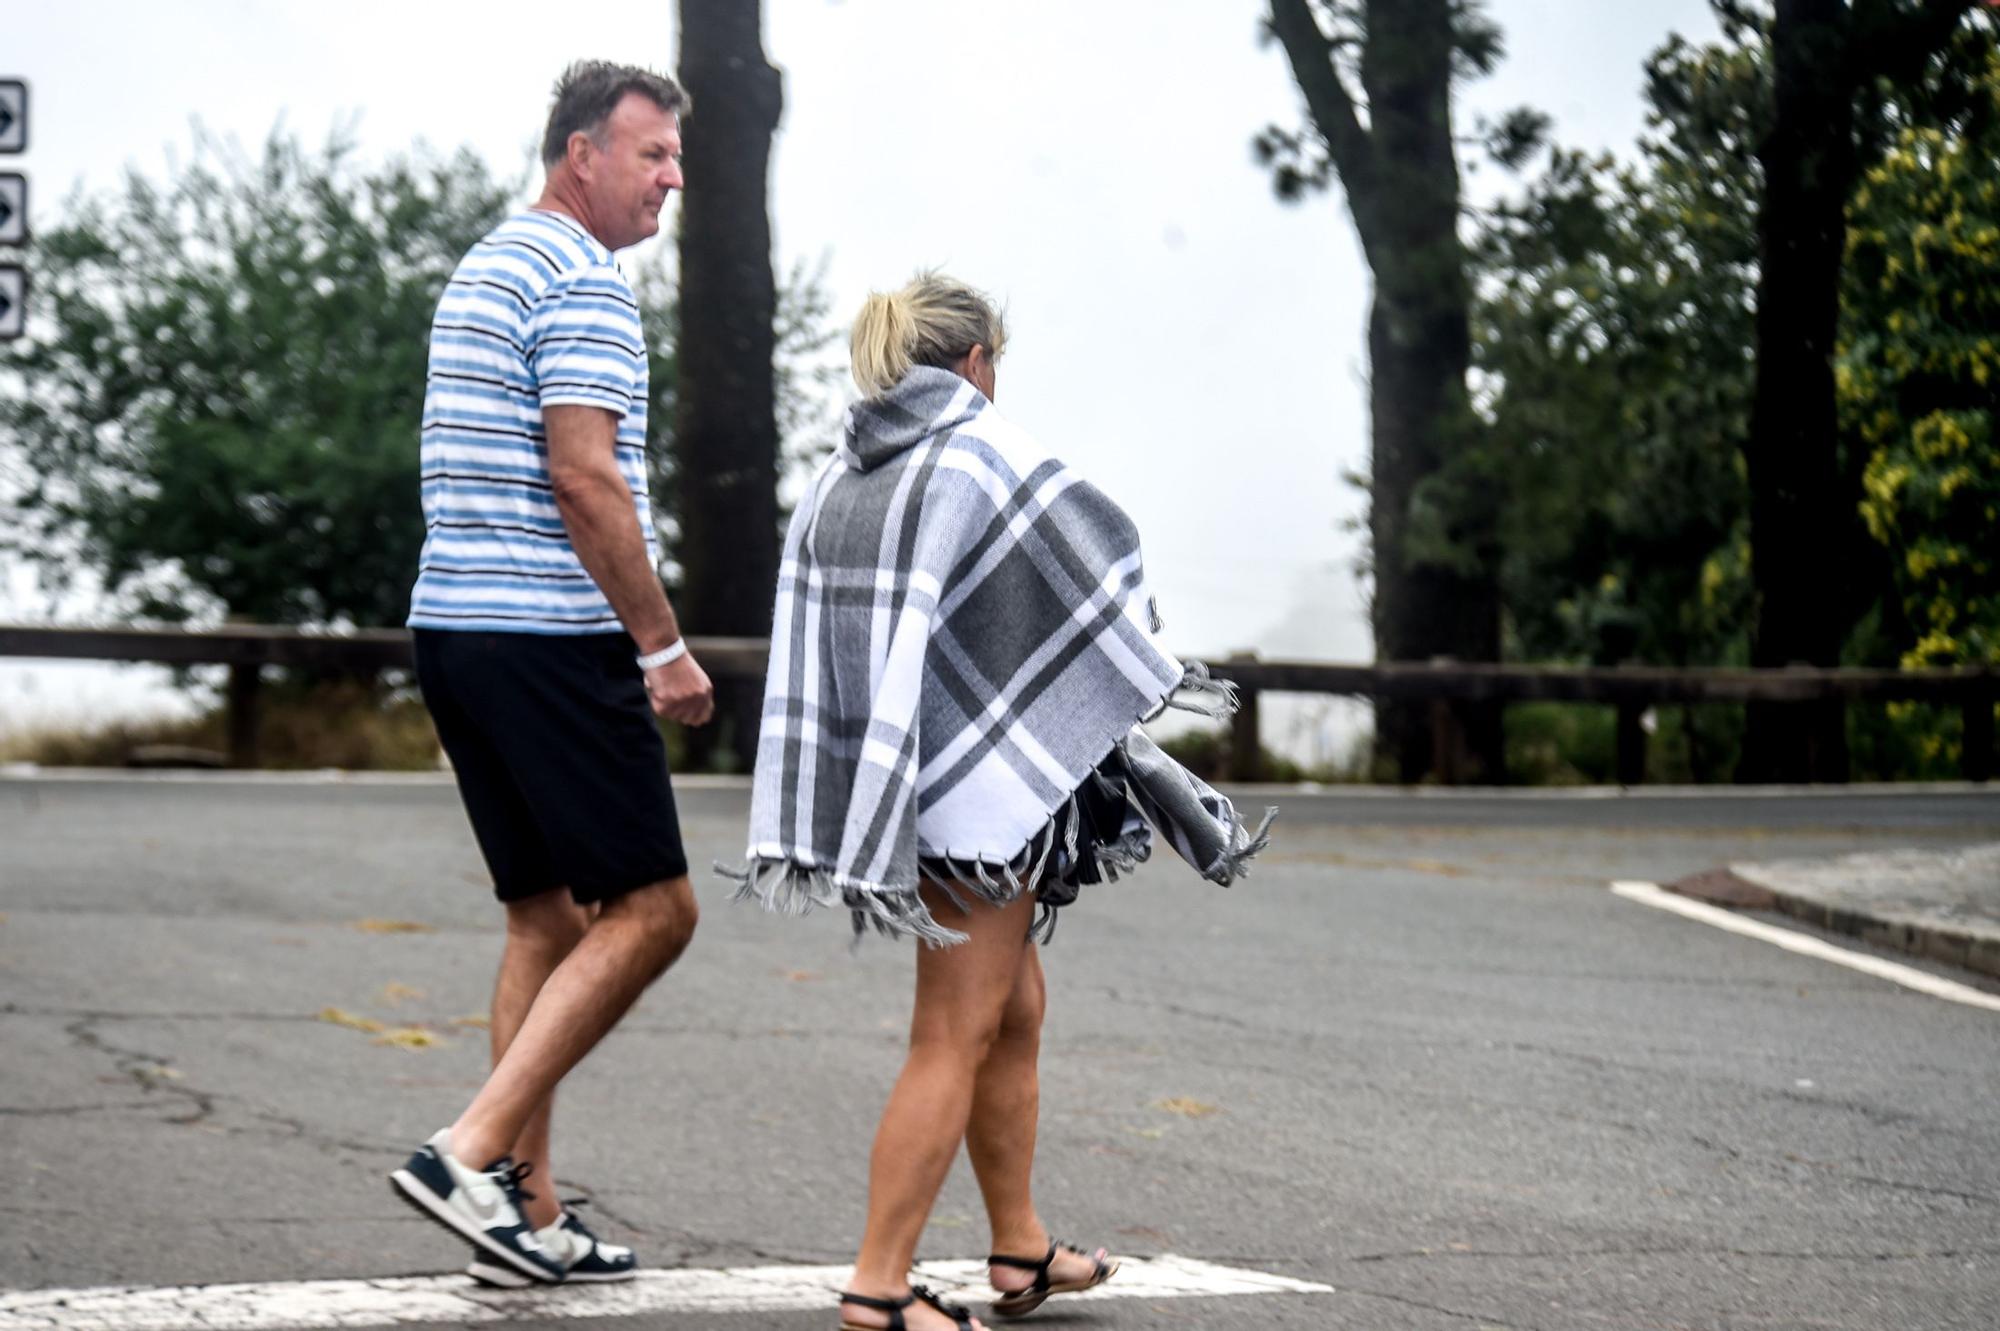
(1000, 1135)
(962, 998)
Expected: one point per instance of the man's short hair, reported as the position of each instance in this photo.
(587, 93)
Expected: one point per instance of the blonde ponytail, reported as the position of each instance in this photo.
(880, 347)
(934, 320)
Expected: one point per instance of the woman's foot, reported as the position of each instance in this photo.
(918, 1309)
(1024, 1282)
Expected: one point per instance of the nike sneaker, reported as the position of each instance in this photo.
(585, 1258)
(480, 1205)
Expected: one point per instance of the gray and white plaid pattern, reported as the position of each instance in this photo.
(963, 634)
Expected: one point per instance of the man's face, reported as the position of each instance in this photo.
(639, 165)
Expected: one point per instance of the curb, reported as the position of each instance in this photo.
(1922, 938)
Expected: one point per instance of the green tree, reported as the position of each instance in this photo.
(1615, 361)
(1829, 59)
(218, 412)
(1612, 363)
(1433, 554)
(1919, 373)
(1612, 334)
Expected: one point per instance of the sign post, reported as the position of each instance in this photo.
(13, 207)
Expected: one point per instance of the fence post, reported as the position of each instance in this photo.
(1246, 750)
(245, 685)
(1631, 744)
(1827, 758)
(1447, 743)
(1975, 759)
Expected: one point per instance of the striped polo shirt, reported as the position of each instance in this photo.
(537, 315)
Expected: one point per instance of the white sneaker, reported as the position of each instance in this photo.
(480, 1205)
(585, 1258)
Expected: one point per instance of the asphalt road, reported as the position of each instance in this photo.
(1421, 1055)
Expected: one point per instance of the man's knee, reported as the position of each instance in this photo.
(660, 916)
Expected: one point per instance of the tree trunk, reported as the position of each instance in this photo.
(1802, 518)
(1419, 349)
(726, 432)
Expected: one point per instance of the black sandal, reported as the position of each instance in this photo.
(894, 1307)
(1024, 1301)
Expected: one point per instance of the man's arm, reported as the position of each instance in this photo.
(603, 524)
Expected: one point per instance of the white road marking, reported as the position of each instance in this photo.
(410, 1299)
(1651, 894)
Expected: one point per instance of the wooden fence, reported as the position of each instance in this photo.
(1632, 690)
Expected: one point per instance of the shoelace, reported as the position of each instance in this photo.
(569, 1205)
(512, 1176)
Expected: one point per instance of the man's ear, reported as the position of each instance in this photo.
(579, 151)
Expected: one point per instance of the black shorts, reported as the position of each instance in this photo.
(558, 758)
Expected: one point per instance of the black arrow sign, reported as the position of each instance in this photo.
(6, 306)
(6, 212)
(6, 118)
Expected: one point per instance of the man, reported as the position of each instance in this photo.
(542, 636)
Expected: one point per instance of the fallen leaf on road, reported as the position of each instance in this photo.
(342, 1017)
(392, 927)
(394, 993)
(1150, 1134)
(1437, 866)
(800, 977)
(1186, 1107)
(410, 1037)
(478, 1022)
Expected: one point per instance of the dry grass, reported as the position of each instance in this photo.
(346, 725)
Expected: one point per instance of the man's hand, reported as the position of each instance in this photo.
(680, 691)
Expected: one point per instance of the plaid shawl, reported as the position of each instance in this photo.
(962, 648)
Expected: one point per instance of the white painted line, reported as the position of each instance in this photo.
(1651, 894)
(409, 1299)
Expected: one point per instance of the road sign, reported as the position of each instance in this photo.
(13, 300)
(13, 208)
(13, 116)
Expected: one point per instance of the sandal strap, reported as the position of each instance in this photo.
(1099, 1267)
(957, 1312)
(1039, 1266)
(894, 1307)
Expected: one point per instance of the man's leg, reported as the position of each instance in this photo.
(634, 938)
(541, 932)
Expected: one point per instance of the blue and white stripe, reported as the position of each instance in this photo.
(536, 315)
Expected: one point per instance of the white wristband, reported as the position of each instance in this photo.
(674, 651)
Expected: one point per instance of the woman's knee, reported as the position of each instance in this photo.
(1021, 1023)
(957, 1037)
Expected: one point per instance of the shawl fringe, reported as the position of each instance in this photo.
(1200, 693)
(792, 887)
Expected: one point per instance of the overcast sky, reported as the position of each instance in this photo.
(1187, 342)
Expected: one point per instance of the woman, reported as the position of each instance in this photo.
(962, 649)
